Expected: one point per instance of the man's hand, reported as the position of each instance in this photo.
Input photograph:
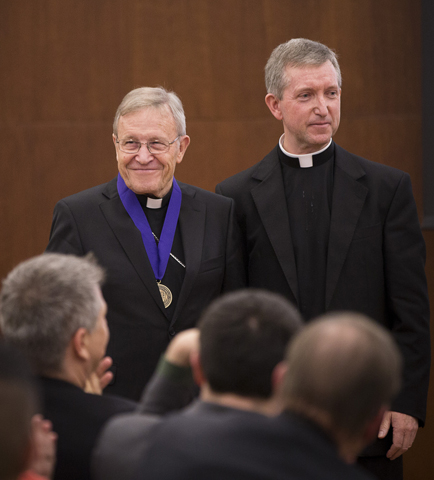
(100, 378)
(404, 432)
(44, 447)
(179, 350)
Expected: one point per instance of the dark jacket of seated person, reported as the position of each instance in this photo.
(77, 418)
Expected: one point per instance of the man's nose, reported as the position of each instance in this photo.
(321, 106)
(143, 155)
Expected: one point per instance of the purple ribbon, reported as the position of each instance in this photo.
(158, 254)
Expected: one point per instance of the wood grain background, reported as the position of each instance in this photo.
(66, 65)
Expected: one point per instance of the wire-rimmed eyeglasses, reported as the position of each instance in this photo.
(154, 147)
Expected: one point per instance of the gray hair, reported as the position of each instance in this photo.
(344, 366)
(158, 97)
(44, 301)
(298, 52)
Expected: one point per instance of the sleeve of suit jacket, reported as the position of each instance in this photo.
(120, 447)
(407, 298)
(171, 388)
(235, 274)
(64, 236)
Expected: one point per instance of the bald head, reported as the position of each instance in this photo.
(345, 367)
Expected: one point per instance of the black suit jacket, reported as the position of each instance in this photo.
(376, 253)
(96, 221)
(77, 418)
(213, 442)
(125, 438)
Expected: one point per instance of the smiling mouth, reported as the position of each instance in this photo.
(145, 169)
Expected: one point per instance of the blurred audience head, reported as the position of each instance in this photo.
(343, 372)
(52, 309)
(243, 336)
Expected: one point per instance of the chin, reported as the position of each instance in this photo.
(143, 189)
(321, 140)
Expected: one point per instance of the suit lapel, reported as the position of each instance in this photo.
(270, 200)
(192, 225)
(130, 239)
(348, 199)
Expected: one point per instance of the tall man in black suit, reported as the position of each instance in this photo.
(52, 309)
(168, 248)
(333, 231)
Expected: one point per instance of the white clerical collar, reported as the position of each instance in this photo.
(154, 202)
(306, 161)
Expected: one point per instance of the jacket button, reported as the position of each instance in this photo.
(172, 332)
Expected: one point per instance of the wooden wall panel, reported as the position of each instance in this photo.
(66, 64)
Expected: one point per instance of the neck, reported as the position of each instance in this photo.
(70, 371)
(348, 446)
(76, 378)
(299, 151)
(270, 406)
(164, 191)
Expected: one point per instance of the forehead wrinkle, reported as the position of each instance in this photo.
(309, 77)
(142, 128)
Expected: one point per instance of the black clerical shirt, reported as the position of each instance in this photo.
(174, 275)
(308, 194)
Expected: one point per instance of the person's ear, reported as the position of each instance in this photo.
(273, 103)
(196, 367)
(79, 342)
(278, 375)
(184, 142)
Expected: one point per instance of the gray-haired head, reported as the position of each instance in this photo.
(298, 52)
(157, 97)
(344, 366)
(44, 301)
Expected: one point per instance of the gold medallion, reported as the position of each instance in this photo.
(166, 294)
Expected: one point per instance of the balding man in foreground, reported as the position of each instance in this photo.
(343, 372)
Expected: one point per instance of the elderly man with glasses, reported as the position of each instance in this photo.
(168, 248)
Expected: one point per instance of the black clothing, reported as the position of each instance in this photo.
(77, 419)
(308, 193)
(212, 442)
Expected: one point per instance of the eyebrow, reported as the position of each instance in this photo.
(311, 89)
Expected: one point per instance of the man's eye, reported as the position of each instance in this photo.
(130, 146)
(157, 145)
